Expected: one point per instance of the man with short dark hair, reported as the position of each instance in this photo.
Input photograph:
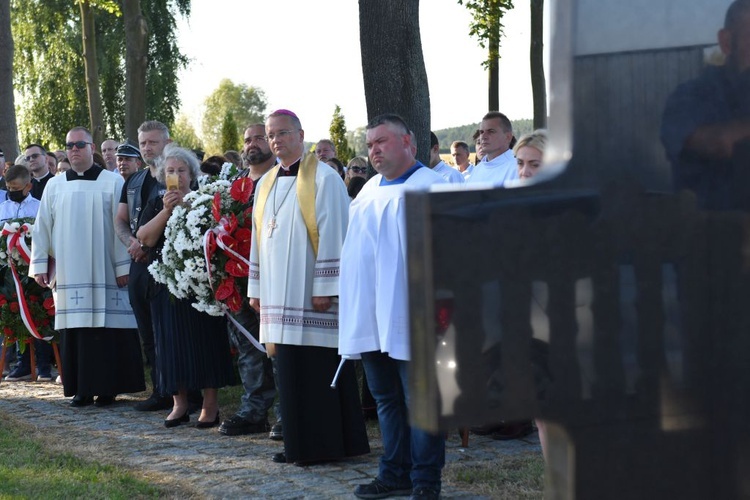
(255, 367)
(75, 224)
(460, 153)
(51, 162)
(498, 164)
(36, 160)
(376, 325)
(439, 166)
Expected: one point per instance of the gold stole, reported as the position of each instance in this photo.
(305, 197)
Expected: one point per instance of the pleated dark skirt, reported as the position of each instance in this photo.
(192, 348)
(101, 361)
(320, 423)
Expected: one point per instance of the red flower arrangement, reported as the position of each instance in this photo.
(36, 309)
(228, 244)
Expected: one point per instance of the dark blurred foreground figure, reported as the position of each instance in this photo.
(706, 125)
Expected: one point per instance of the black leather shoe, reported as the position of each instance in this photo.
(79, 401)
(185, 418)
(237, 426)
(279, 458)
(102, 401)
(208, 425)
(154, 403)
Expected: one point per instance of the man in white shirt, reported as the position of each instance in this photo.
(498, 164)
(439, 166)
(460, 154)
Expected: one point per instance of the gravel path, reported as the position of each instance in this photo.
(203, 462)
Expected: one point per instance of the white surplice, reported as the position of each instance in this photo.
(286, 274)
(75, 225)
(374, 299)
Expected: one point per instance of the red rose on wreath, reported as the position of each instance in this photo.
(14, 307)
(49, 303)
(3, 300)
(226, 289)
(241, 190)
(33, 298)
(8, 331)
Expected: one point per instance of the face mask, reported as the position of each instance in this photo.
(16, 196)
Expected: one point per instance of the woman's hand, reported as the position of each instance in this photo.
(172, 198)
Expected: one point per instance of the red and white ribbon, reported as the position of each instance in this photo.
(216, 235)
(16, 239)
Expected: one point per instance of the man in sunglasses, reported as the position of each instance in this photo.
(101, 353)
(36, 158)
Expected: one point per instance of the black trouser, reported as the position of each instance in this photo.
(138, 290)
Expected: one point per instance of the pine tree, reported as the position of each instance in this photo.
(338, 136)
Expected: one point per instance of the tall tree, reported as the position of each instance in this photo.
(230, 136)
(183, 133)
(247, 105)
(538, 82)
(487, 26)
(136, 66)
(338, 136)
(8, 128)
(389, 38)
(91, 71)
(48, 68)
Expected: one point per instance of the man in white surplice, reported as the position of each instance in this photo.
(374, 315)
(299, 223)
(75, 226)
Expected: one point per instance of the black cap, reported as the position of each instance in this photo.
(128, 150)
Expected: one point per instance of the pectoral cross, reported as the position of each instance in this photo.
(271, 226)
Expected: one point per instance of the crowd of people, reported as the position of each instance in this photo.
(323, 235)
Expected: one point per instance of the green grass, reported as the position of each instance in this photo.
(510, 478)
(31, 469)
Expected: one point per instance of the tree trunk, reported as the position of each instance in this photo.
(92, 72)
(8, 127)
(136, 67)
(538, 83)
(393, 67)
(493, 97)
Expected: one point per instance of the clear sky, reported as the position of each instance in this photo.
(305, 56)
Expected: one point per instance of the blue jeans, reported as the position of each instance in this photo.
(44, 355)
(411, 456)
(255, 369)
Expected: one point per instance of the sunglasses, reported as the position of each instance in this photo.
(32, 156)
(77, 144)
(358, 170)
